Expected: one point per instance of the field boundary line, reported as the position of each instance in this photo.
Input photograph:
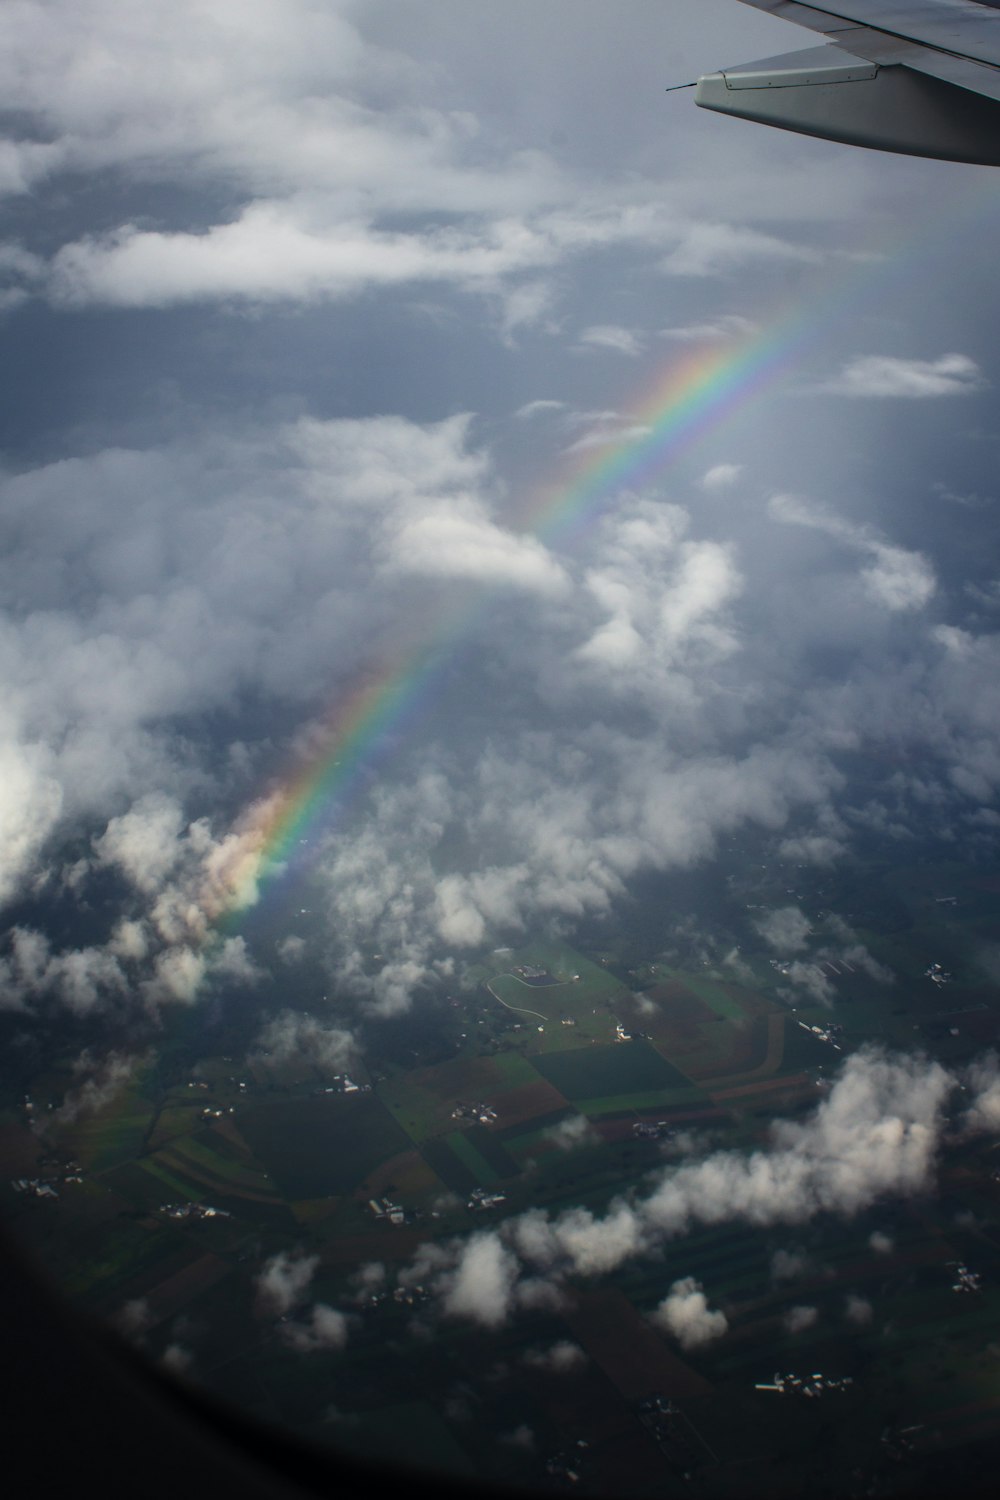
(520, 1009)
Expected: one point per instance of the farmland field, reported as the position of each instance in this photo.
(622, 1068)
(314, 1146)
(295, 1168)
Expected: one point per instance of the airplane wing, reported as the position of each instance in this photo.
(921, 77)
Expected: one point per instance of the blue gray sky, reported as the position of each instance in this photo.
(301, 304)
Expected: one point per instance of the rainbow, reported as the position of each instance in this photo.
(690, 396)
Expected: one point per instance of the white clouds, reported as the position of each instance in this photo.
(291, 949)
(177, 1359)
(480, 1286)
(277, 251)
(320, 141)
(607, 435)
(520, 1437)
(881, 375)
(858, 1310)
(812, 979)
(282, 1286)
(720, 249)
(898, 579)
(720, 477)
(788, 1265)
(284, 1281)
(895, 578)
(538, 408)
(109, 1076)
(278, 100)
(984, 1079)
(294, 248)
(30, 804)
(134, 1318)
(574, 1131)
(726, 326)
(685, 1314)
(876, 1134)
(797, 1319)
(84, 980)
(292, 1037)
(558, 1359)
(786, 929)
(663, 597)
(611, 336)
(144, 842)
(325, 1328)
(811, 849)
(449, 543)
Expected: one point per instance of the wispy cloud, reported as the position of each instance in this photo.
(894, 577)
(726, 326)
(720, 477)
(538, 408)
(611, 336)
(884, 375)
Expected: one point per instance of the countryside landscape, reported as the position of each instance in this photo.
(558, 1077)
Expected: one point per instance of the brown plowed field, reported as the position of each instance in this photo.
(774, 1041)
(461, 1078)
(525, 1103)
(409, 1173)
(636, 1359)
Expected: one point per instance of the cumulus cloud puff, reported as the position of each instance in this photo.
(685, 1314)
(858, 1310)
(559, 1358)
(983, 1113)
(572, 1132)
(797, 1319)
(292, 1036)
(720, 477)
(786, 930)
(324, 1328)
(284, 1281)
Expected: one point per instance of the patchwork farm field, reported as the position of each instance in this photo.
(868, 1295)
(422, 1101)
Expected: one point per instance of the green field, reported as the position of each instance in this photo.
(686, 1097)
(315, 1146)
(579, 986)
(115, 1135)
(207, 1158)
(453, 1170)
(618, 1069)
(422, 1101)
